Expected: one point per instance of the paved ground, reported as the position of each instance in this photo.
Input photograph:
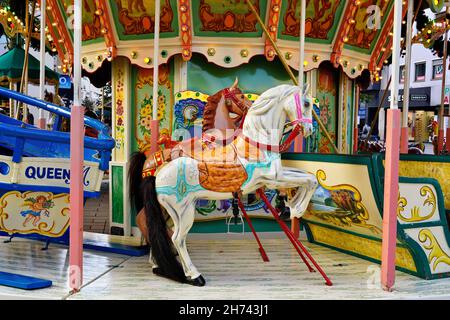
(230, 264)
(96, 211)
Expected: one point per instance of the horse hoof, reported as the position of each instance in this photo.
(160, 273)
(198, 282)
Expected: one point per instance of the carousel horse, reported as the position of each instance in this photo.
(223, 115)
(250, 162)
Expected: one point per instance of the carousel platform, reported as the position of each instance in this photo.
(230, 264)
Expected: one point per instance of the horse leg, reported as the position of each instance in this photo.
(305, 184)
(182, 215)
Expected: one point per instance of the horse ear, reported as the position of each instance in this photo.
(235, 83)
(305, 89)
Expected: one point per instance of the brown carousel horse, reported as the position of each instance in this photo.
(223, 115)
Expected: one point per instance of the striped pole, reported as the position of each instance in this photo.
(389, 238)
(76, 162)
(154, 126)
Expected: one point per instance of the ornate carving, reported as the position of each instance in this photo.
(186, 29)
(436, 252)
(415, 211)
(137, 19)
(229, 20)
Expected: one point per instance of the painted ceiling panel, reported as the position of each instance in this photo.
(227, 18)
(322, 19)
(367, 28)
(135, 19)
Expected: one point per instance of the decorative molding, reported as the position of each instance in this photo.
(106, 23)
(184, 11)
(341, 36)
(63, 55)
(273, 25)
(62, 28)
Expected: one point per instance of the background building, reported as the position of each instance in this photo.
(425, 84)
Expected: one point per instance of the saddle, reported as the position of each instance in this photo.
(220, 168)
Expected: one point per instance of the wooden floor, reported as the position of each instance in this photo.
(230, 264)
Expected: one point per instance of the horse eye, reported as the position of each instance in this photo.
(242, 97)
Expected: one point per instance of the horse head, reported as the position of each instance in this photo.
(298, 106)
(225, 110)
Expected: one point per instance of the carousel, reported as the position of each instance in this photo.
(200, 93)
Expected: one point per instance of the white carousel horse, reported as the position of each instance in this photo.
(252, 161)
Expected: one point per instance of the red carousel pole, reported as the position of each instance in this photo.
(76, 163)
(389, 238)
(154, 126)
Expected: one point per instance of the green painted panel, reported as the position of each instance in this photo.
(318, 19)
(256, 76)
(134, 17)
(117, 198)
(216, 8)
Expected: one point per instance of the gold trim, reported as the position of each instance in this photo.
(436, 251)
(415, 211)
(360, 245)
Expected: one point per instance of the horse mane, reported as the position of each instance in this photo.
(267, 98)
(209, 113)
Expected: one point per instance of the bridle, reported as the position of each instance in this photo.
(231, 95)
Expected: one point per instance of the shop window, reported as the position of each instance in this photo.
(438, 69)
(420, 71)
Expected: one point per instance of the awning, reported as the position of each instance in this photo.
(11, 67)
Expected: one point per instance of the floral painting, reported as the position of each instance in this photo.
(328, 99)
(144, 104)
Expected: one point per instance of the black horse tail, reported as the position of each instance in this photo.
(143, 195)
(161, 244)
(135, 179)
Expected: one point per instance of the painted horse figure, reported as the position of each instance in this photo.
(223, 115)
(252, 161)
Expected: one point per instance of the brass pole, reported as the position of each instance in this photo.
(289, 71)
(24, 78)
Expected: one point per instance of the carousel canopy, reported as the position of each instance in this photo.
(11, 67)
(356, 35)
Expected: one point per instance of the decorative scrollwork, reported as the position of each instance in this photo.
(415, 211)
(351, 212)
(436, 252)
